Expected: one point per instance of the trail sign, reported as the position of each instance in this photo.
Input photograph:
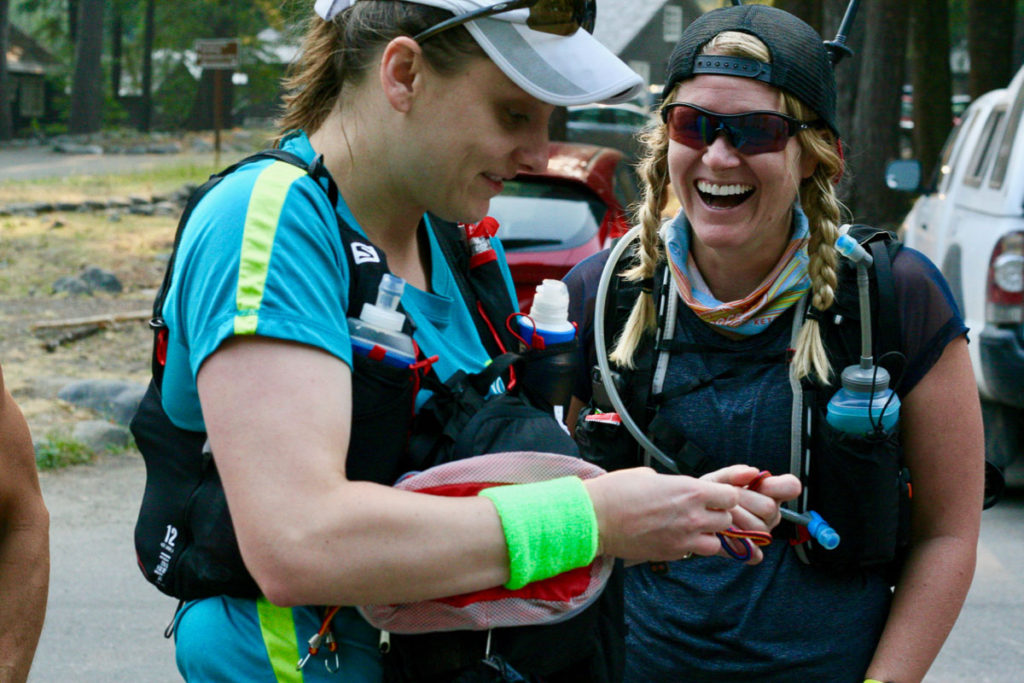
(217, 53)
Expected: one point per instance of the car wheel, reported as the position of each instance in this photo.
(1002, 445)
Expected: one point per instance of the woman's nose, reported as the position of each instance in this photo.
(532, 154)
(721, 153)
(533, 159)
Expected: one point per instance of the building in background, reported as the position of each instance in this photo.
(28, 66)
(643, 32)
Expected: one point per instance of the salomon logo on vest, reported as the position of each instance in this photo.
(364, 253)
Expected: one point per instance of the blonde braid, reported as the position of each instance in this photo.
(653, 170)
(819, 202)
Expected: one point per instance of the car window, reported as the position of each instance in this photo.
(1006, 144)
(626, 185)
(983, 153)
(536, 216)
(586, 115)
(951, 151)
(628, 117)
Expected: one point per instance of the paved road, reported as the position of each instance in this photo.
(104, 623)
(33, 163)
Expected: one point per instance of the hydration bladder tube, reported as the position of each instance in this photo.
(820, 530)
(602, 352)
(817, 527)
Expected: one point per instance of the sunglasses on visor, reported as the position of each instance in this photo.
(560, 17)
(752, 132)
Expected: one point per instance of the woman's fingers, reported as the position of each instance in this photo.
(650, 516)
(645, 515)
(737, 475)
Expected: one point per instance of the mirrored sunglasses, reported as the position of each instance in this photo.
(560, 17)
(752, 132)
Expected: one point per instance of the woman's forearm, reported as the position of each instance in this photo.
(926, 603)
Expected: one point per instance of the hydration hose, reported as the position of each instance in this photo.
(602, 353)
(816, 526)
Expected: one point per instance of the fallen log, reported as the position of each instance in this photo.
(101, 320)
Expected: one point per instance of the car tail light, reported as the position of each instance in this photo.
(1005, 300)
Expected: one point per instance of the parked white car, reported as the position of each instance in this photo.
(970, 222)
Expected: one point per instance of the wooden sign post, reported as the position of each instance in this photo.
(220, 55)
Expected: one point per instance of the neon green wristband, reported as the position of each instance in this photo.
(872, 680)
(550, 527)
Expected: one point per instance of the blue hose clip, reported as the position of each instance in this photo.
(817, 527)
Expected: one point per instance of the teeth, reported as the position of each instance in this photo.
(722, 190)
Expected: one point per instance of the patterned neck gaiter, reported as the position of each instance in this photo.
(782, 288)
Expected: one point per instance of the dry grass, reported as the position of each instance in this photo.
(34, 253)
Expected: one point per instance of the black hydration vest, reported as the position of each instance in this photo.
(859, 485)
(185, 541)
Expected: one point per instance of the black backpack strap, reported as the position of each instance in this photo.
(367, 264)
(632, 384)
(481, 284)
(315, 168)
(888, 327)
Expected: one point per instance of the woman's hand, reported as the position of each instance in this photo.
(758, 508)
(643, 515)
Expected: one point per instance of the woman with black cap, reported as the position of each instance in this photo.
(749, 145)
(420, 111)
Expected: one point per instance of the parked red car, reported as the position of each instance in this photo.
(551, 221)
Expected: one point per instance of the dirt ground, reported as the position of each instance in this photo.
(38, 361)
(35, 251)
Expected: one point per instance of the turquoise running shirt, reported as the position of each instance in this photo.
(261, 255)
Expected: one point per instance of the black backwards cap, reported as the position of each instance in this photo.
(800, 66)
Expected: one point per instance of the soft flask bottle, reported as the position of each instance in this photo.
(862, 407)
(865, 404)
(377, 332)
(550, 371)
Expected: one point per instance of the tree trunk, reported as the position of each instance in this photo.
(874, 137)
(990, 45)
(847, 73)
(6, 101)
(149, 33)
(86, 91)
(203, 113)
(73, 21)
(116, 50)
(811, 11)
(932, 80)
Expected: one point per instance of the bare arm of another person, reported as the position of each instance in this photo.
(24, 544)
(278, 415)
(944, 447)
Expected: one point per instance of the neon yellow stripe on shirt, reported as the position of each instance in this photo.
(265, 203)
(277, 626)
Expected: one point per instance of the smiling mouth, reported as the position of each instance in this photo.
(496, 180)
(723, 196)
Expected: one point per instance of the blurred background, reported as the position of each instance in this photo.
(86, 66)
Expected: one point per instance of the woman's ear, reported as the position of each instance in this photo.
(808, 164)
(401, 64)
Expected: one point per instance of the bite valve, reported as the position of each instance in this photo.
(848, 247)
(817, 527)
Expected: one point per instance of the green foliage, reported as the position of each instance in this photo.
(59, 450)
(171, 105)
(114, 113)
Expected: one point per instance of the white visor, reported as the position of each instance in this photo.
(560, 70)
